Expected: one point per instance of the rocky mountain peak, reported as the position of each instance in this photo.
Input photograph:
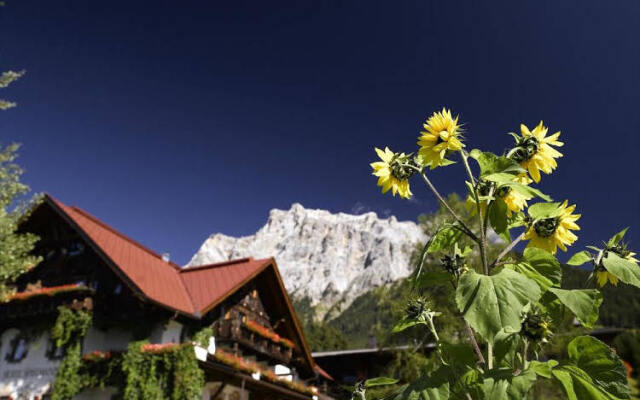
(327, 257)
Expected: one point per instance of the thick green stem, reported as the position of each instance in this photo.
(483, 236)
(442, 201)
(525, 350)
(508, 249)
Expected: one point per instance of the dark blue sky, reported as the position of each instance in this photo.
(174, 120)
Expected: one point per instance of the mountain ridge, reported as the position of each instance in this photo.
(331, 258)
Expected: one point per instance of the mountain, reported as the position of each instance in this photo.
(327, 258)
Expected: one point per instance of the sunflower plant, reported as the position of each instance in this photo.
(509, 304)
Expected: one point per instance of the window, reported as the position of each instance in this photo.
(54, 352)
(18, 349)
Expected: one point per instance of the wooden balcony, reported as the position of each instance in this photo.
(232, 330)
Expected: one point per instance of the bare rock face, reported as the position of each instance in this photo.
(329, 258)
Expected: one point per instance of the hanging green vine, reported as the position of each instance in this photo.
(68, 331)
(202, 336)
(167, 371)
(144, 372)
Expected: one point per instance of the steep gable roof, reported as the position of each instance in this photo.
(208, 285)
(191, 291)
(146, 270)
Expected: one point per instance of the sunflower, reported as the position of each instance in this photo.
(550, 233)
(441, 134)
(515, 201)
(602, 275)
(534, 152)
(391, 172)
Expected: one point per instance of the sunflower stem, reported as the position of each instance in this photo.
(442, 201)
(474, 343)
(508, 249)
(483, 235)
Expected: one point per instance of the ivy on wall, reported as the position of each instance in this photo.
(144, 372)
(68, 332)
(168, 371)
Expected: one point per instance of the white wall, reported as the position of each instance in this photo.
(31, 376)
(109, 340)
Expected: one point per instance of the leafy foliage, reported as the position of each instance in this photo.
(15, 247)
(509, 305)
(169, 374)
(593, 371)
(491, 303)
(6, 78)
(68, 332)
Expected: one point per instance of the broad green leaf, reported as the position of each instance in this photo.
(584, 304)
(432, 278)
(430, 387)
(615, 239)
(405, 324)
(490, 303)
(578, 385)
(625, 270)
(544, 210)
(530, 272)
(498, 218)
(503, 385)
(559, 313)
(543, 368)
(500, 178)
(379, 381)
(593, 372)
(458, 354)
(601, 363)
(507, 344)
(541, 266)
(528, 191)
(580, 258)
(490, 163)
(505, 179)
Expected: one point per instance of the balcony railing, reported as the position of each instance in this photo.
(234, 330)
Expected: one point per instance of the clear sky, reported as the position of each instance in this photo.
(172, 120)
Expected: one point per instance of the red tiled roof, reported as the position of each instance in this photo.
(192, 291)
(210, 284)
(188, 290)
(156, 278)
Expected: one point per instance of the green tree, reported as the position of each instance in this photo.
(15, 247)
(5, 80)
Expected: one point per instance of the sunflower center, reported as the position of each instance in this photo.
(525, 149)
(415, 308)
(399, 168)
(619, 249)
(453, 264)
(546, 227)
